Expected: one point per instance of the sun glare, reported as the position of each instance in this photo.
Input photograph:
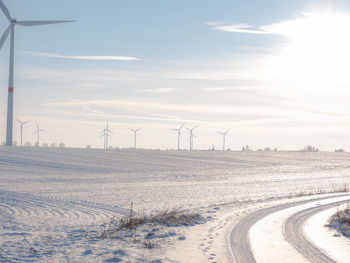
(317, 50)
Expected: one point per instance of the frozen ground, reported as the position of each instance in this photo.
(53, 200)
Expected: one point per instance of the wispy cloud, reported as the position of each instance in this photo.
(84, 107)
(305, 22)
(158, 90)
(152, 106)
(239, 28)
(96, 58)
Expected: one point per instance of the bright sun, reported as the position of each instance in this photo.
(317, 50)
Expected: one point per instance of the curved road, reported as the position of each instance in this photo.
(239, 237)
(293, 232)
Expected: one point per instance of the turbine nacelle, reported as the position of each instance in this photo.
(14, 22)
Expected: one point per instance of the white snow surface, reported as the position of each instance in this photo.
(50, 196)
(326, 238)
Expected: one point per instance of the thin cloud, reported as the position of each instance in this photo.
(154, 106)
(158, 90)
(84, 107)
(95, 58)
(239, 28)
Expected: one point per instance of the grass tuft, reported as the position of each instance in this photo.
(341, 221)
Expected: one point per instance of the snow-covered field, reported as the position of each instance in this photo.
(52, 200)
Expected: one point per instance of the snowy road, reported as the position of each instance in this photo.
(244, 251)
(293, 230)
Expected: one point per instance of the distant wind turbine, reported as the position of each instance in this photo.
(22, 123)
(11, 29)
(135, 134)
(191, 136)
(106, 133)
(178, 135)
(37, 132)
(223, 138)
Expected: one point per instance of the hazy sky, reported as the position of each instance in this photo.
(275, 72)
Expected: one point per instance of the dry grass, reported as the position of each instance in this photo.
(167, 218)
(341, 221)
(319, 191)
(342, 216)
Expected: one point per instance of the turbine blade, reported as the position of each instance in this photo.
(40, 23)
(26, 122)
(5, 10)
(182, 126)
(4, 36)
(18, 121)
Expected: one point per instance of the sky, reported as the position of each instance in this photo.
(273, 72)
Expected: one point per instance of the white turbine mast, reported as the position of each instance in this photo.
(37, 132)
(135, 134)
(11, 29)
(22, 123)
(223, 138)
(191, 136)
(106, 133)
(178, 135)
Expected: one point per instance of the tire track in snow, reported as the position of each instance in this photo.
(36, 211)
(239, 236)
(294, 234)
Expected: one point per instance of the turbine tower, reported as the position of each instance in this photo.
(191, 136)
(11, 29)
(37, 132)
(223, 138)
(22, 123)
(106, 133)
(135, 134)
(178, 135)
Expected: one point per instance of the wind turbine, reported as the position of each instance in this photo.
(223, 138)
(22, 123)
(37, 131)
(178, 135)
(191, 136)
(106, 133)
(135, 133)
(11, 29)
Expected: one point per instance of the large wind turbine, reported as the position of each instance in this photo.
(178, 135)
(22, 123)
(191, 136)
(135, 134)
(37, 132)
(106, 133)
(224, 138)
(11, 29)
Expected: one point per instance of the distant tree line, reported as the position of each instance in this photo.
(29, 144)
